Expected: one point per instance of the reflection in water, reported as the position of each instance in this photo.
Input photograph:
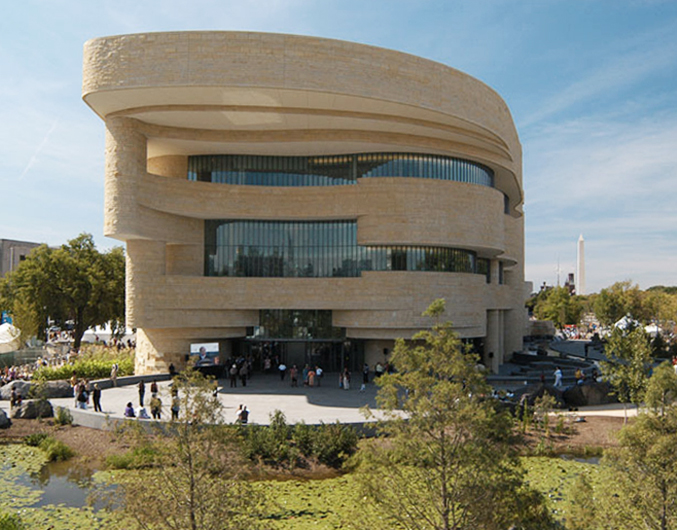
(64, 483)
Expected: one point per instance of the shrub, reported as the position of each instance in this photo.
(10, 521)
(63, 416)
(95, 362)
(55, 450)
(334, 443)
(35, 439)
(137, 458)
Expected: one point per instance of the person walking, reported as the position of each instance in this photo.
(283, 370)
(558, 377)
(114, 374)
(96, 398)
(142, 392)
(156, 407)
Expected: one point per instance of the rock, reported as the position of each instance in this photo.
(32, 409)
(598, 393)
(5, 422)
(575, 397)
(533, 392)
(22, 388)
(58, 389)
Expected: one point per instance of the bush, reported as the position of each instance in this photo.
(10, 521)
(138, 458)
(281, 445)
(63, 416)
(95, 362)
(35, 439)
(55, 450)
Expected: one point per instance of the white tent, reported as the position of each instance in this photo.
(10, 338)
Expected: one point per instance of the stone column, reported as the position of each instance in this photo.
(125, 164)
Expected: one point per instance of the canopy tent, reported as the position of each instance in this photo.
(10, 338)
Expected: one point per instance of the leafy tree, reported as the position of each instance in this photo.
(640, 486)
(629, 364)
(617, 301)
(446, 461)
(558, 306)
(195, 479)
(74, 282)
(661, 392)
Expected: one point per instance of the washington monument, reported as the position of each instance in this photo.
(580, 266)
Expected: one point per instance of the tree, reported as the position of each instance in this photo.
(558, 306)
(628, 364)
(74, 282)
(195, 476)
(445, 461)
(617, 301)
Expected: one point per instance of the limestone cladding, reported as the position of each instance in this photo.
(166, 96)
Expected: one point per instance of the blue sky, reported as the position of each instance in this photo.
(592, 86)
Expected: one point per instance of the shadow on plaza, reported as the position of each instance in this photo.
(328, 394)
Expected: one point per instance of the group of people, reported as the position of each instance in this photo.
(83, 390)
(155, 403)
(311, 376)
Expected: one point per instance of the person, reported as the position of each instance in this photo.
(365, 374)
(294, 375)
(346, 379)
(579, 376)
(283, 370)
(306, 371)
(318, 375)
(156, 407)
(96, 398)
(129, 411)
(81, 397)
(176, 406)
(233, 376)
(242, 416)
(172, 370)
(378, 369)
(74, 386)
(114, 374)
(143, 415)
(558, 377)
(14, 399)
(243, 374)
(142, 392)
(311, 377)
(153, 388)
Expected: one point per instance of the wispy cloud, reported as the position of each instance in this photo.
(38, 150)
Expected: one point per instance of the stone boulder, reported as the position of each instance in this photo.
(531, 393)
(32, 409)
(575, 397)
(22, 388)
(57, 389)
(590, 393)
(5, 422)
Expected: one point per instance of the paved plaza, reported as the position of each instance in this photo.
(263, 395)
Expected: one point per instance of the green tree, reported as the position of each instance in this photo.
(661, 392)
(558, 306)
(628, 364)
(640, 486)
(617, 301)
(445, 461)
(74, 282)
(196, 475)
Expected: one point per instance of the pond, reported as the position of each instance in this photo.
(50, 496)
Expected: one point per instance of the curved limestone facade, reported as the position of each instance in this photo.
(305, 198)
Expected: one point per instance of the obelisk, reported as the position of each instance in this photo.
(580, 267)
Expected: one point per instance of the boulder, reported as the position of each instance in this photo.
(32, 409)
(575, 397)
(5, 422)
(598, 393)
(57, 389)
(22, 388)
(531, 393)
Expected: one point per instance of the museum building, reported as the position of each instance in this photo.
(305, 198)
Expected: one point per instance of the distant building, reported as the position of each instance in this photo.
(12, 253)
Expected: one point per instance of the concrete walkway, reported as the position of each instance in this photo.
(263, 395)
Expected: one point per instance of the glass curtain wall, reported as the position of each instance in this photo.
(254, 170)
(316, 249)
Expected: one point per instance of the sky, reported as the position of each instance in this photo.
(591, 84)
